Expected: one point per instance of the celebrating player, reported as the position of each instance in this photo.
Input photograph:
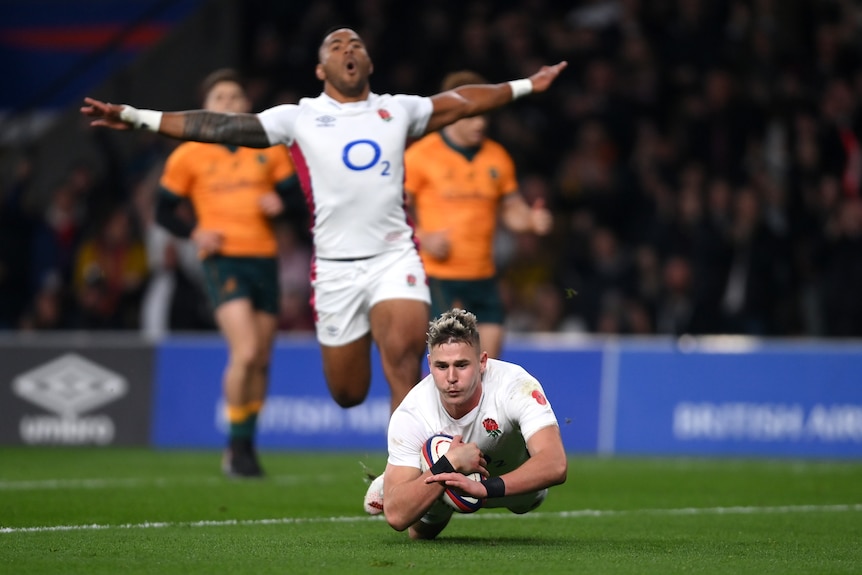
(233, 193)
(502, 426)
(458, 182)
(348, 145)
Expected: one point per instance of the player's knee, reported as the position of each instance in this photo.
(347, 396)
(262, 367)
(401, 341)
(348, 375)
(527, 506)
(403, 351)
(347, 400)
(244, 358)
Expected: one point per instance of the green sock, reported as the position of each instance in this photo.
(244, 429)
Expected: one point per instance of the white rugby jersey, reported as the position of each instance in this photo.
(513, 407)
(349, 158)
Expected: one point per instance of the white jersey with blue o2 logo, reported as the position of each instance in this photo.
(349, 158)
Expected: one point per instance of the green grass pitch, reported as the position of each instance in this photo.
(129, 511)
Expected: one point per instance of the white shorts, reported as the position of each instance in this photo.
(345, 291)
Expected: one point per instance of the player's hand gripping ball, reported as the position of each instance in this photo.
(436, 447)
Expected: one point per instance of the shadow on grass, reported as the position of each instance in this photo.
(494, 541)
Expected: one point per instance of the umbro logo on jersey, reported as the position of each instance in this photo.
(325, 121)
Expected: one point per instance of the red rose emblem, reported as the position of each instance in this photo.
(411, 280)
(491, 427)
(384, 114)
(540, 399)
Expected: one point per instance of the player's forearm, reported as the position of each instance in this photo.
(543, 470)
(202, 126)
(407, 502)
(196, 125)
(516, 215)
(467, 101)
(481, 98)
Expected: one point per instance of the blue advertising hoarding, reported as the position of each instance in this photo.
(300, 414)
(775, 400)
(571, 379)
(610, 397)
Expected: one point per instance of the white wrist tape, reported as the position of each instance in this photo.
(521, 87)
(141, 119)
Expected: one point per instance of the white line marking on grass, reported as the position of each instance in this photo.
(711, 510)
(840, 508)
(102, 483)
(163, 524)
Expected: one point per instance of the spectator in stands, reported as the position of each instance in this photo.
(842, 271)
(49, 310)
(110, 274)
(56, 238)
(16, 229)
(741, 87)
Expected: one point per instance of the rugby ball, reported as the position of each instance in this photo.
(435, 447)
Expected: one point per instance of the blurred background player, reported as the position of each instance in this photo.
(502, 425)
(369, 282)
(235, 195)
(458, 183)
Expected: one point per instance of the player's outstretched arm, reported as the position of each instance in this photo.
(197, 125)
(406, 495)
(476, 99)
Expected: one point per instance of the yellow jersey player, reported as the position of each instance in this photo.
(459, 182)
(233, 192)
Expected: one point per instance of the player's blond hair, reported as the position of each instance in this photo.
(453, 326)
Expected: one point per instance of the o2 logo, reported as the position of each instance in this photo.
(361, 155)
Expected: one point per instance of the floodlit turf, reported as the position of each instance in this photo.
(127, 511)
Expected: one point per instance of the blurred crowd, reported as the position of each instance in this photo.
(703, 159)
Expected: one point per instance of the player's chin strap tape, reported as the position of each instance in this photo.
(442, 466)
(141, 119)
(495, 486)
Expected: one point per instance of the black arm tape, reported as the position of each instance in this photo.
(494, 486)
(442, 466)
